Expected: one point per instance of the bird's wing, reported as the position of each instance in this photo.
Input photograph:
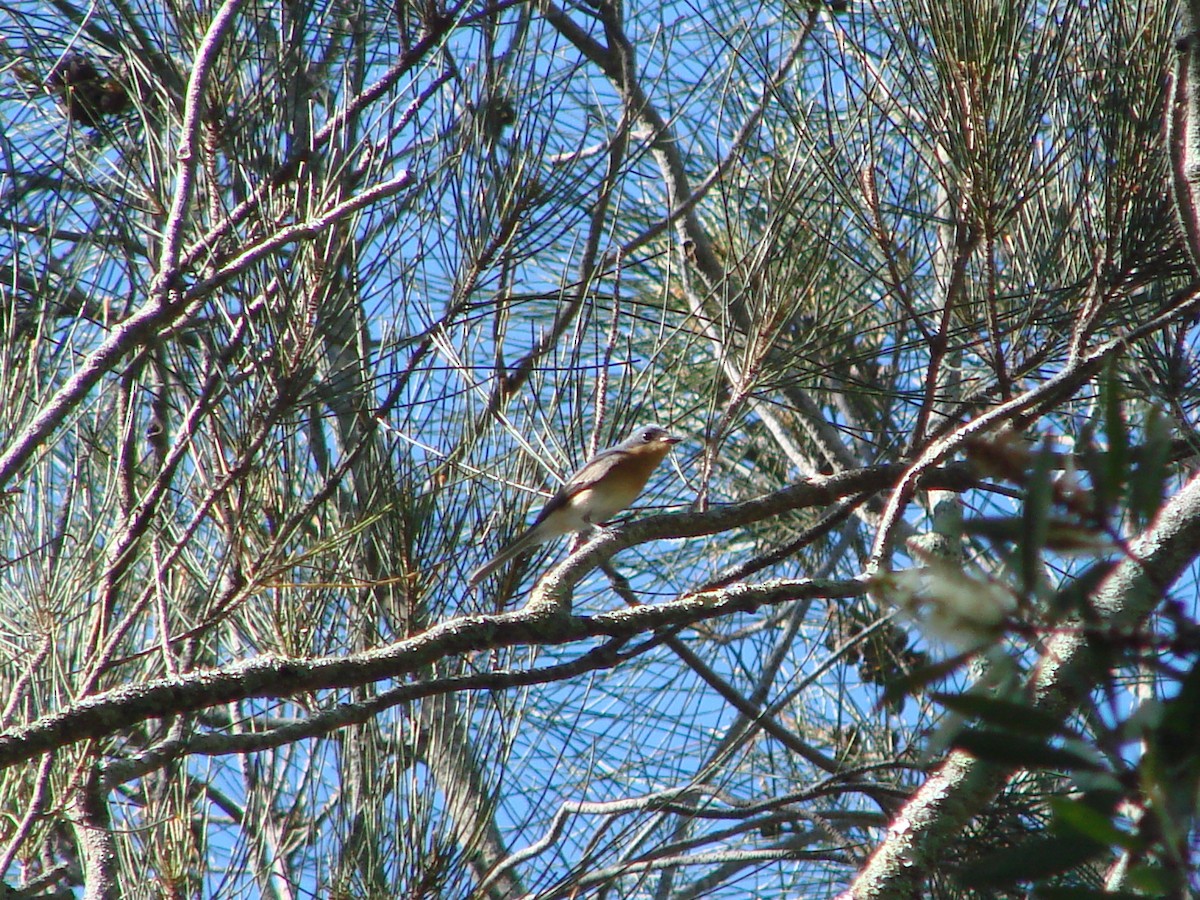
(593, 470)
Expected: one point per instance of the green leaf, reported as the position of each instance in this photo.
(1086, 819)
(1082, 893)
(1116, 432)
(1039, 857)
(1148, 481)
(1005, 714)
(1036, 518)
(1017, 751)
(1179, 733)
(1152, 880)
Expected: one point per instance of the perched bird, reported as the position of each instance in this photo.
(85, 95)
(606, 484)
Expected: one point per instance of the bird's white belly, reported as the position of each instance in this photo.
(593, 507)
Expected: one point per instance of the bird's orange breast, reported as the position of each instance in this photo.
(619, 487)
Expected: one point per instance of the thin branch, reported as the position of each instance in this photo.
(194, 108)
(33, 812)
(1063, 384)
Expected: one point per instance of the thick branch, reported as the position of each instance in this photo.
(112, 711)
(1182, 126)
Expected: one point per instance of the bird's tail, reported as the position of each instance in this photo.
(530, 538)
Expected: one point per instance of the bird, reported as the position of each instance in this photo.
(605, 485)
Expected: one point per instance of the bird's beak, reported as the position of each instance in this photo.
(672, 439)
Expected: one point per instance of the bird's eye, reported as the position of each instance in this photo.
(647, 435)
